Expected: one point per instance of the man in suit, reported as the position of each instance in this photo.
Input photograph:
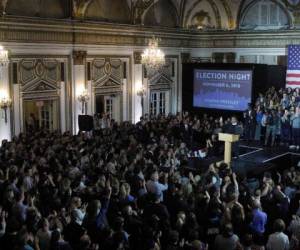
(249, 123)
(234, 128)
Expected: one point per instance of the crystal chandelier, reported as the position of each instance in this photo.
(153, 57)
(3, 56)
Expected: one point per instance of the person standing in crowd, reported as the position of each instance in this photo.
(31, 123)
(259, 115)
(155, 187)
(234, 128)
(285, 128)
(278, 240)
(261, 100)
(97, 125)
(271, 120)
(285, 101)
(227, 240)
(259, 220)
(249, 124)
(295, 123)
(278, 114)
(297, 96)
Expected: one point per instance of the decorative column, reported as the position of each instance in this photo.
(90, 109)
(137, 87)
(79, 86)
(124, 99)
(17, 109)
(62, 100)
(146, 93)
(184, 58)
(5, 104)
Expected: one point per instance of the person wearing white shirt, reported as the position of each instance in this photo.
(278, 240)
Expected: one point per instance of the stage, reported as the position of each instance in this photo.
(253, 160)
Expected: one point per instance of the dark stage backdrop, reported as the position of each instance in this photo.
(264, 76)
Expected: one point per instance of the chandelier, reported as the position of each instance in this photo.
(3, 56)
(153, 57)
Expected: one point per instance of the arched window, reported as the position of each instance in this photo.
(264, 14)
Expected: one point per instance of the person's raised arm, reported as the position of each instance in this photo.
(265, 190)
(50, 178)
(236, 185)
(3, 216)
(226, 184)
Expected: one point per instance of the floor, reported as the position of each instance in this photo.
(253, 160)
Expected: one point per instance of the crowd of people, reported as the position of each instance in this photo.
(275, 118)
(127, 186)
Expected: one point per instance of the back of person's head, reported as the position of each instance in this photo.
(191, 220)
(227, 230)
(44, 224)
(279, 225)
(119, 223)
(256, 204)
(196, 245)
(55, 237)
(19, 196)
(154, 197)
(22, 238)
(93, 208)
(173, 237)
(137, 169)
(85, 242)
(154, 175)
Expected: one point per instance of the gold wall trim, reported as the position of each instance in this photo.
(29, 30)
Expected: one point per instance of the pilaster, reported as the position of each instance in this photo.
(5, 118)
(79, 85)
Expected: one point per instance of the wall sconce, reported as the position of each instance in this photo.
(84, 98)
(142, 92)
(39, 104)
(5, 104)
(4, 60)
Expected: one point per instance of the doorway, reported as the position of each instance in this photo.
(159, 102)
(41, 114)
(110, 105)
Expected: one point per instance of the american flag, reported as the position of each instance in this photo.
(293, 67)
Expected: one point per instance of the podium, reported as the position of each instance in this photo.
(228, 139)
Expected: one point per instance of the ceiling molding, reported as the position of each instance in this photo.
(25, 31)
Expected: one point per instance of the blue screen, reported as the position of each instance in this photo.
(222, 89)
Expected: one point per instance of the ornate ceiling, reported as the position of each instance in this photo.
(186, 14)
(178, 23)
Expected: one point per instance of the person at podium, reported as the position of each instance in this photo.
(234, 127)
